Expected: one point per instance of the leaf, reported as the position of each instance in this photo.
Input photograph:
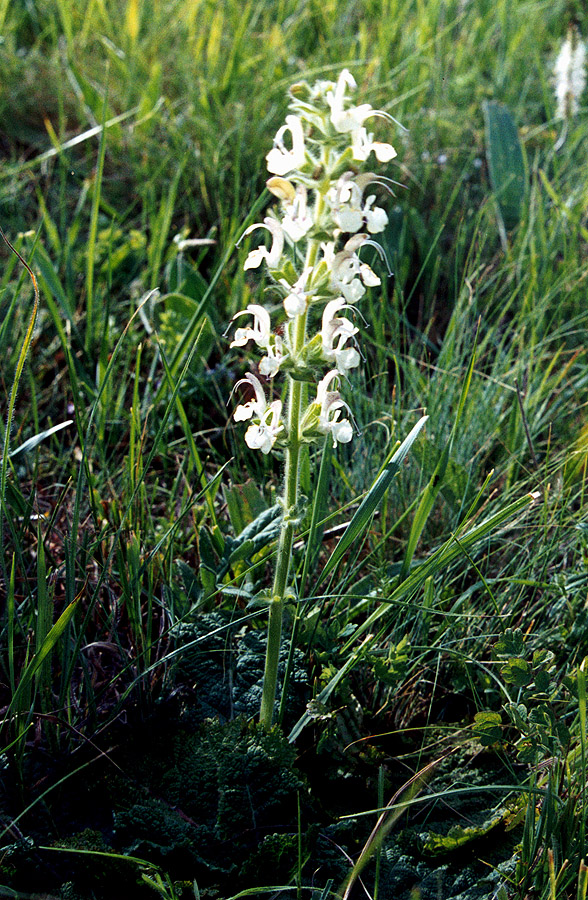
(542, 681)
(563, 734)
(488, 727)
(244, 503)
(189, 581)
(206, 551)
(517, 672)
(458, 836)
(371, 500)
(543, 658)
(455, 482)
(518, 713)
(37, 438)
(505, 162)
(510, 644)
(429, 495)
(43, 652)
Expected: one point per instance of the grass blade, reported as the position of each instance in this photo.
(370, 502)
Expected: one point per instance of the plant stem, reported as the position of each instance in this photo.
(290, 503)
(276, 610)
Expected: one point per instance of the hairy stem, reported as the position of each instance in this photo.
(290, 502)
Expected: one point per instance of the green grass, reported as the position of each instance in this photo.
(116, 529)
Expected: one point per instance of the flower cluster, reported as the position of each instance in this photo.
(328, 213)
(570, 74)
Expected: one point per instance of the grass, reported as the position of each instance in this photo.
(126, 620)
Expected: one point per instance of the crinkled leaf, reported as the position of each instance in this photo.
(458, 836)
(510, 644)
(517, 672)
(542, 681)
(488, 727)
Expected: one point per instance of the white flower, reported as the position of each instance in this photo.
(272, 256)
(271, 363)
(349, 214)
(331, 404)
(570, 75)
(297, 221)
(346, 119)
(262, 335)
(345, 200)
(348, 273)
(280, 160)
(260, 435)
(376, 218)
(263, 436)
(261, 331)
(352, 119)
(363, 144)
(333, 328)
(296, 301)
(254, 407)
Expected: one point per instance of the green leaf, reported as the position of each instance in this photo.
(510, 644)
(458, 836)
(43, 652)
(488, 727)
(455, 482)
(563, 734)
(437, 479)
(543, 658)
(517, 672)
(505, 162)
(370, 502)
(518, 714)
(206, 551)
(542, 681)
(244, 503)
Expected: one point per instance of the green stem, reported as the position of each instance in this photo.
(290, 500)
(290, 503)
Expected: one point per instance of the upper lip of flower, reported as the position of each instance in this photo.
(331, 404)
(274, 254)
(341, 118)
(280, 161)
(257, 406)
(261, 331)
(334, 326)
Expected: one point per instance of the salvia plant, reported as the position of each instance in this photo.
(319, 168)
(570, 74)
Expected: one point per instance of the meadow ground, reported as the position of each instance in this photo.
(431, 731)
